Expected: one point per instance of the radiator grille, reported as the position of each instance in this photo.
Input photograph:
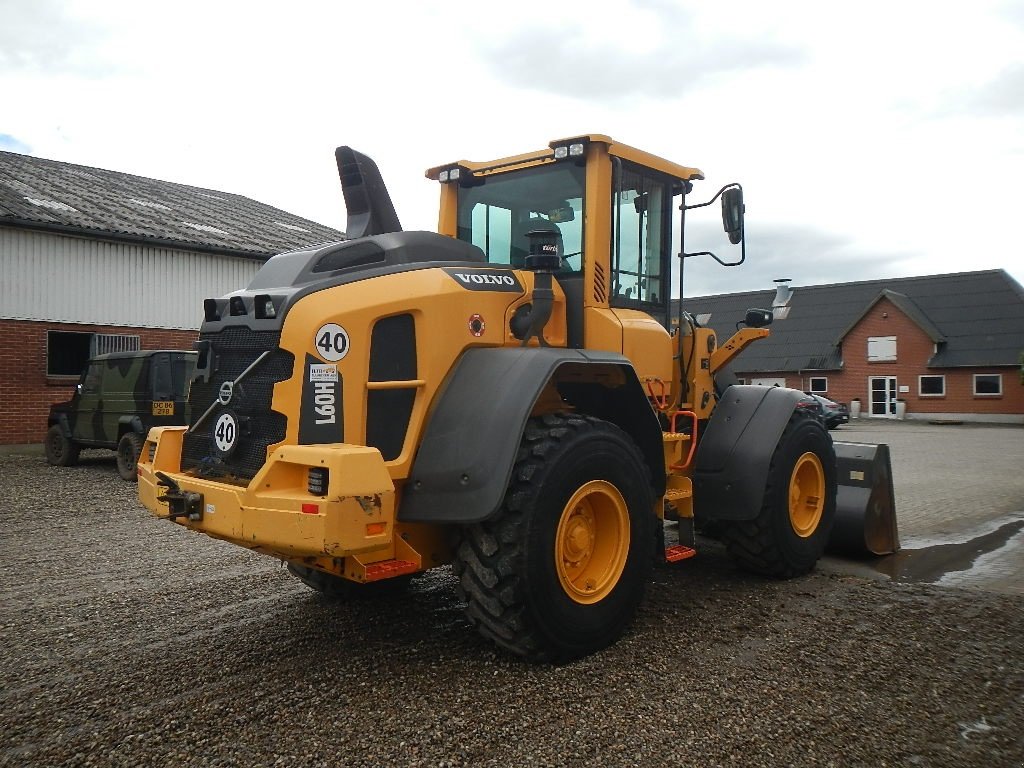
(233, 350)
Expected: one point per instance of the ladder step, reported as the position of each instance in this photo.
(386, 569)
(673, 437)
(672, 494)
(678, 552)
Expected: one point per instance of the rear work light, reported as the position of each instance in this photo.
(563, 151)
(317, 481)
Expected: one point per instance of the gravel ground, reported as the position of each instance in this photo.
(131, 641)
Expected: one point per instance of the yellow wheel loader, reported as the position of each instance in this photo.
(514, 395)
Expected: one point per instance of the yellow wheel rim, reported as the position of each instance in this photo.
(806, 495)
(592, 542)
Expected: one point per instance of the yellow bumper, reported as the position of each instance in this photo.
(276, 513)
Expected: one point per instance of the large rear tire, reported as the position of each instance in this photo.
(60, 451)
(128, 449)
(559, 571)
(789, 534)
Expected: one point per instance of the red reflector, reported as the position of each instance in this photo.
(310, 509)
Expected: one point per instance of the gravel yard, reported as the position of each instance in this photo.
(131, 641)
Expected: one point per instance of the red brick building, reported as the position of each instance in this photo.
(947, 346)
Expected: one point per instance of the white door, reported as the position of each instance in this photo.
(883, 392)
(769, 382)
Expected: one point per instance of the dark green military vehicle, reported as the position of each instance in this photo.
(119, 397)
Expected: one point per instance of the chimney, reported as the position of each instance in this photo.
(783, 293)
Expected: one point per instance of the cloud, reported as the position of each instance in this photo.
(657, 52)
(44, 36)
(807, 256)
(1000, 97)
(9, 143)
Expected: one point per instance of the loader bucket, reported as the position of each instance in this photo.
(865, 522)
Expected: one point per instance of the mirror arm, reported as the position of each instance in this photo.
(743, 239)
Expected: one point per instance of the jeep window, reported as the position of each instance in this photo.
(496, 214)
(92, 376)
(182, 368)
(160, 372)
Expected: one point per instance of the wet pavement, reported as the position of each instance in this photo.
(959, 503)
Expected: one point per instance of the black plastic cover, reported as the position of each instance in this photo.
(734, 454)
(469, 447)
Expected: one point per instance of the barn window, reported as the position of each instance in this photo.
(819, 384)
(104, 343)
(66, 352)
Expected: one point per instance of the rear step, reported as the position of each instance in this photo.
(387, 569)
(678, 552)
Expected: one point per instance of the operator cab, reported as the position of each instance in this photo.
(613, 207)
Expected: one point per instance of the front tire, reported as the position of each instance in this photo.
(791, 530)
(128, 449)
(60, 451)
(559, 571)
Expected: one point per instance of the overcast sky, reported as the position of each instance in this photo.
(876, 139)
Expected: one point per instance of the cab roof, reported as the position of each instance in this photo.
(615, 148)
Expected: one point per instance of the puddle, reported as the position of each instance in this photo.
(931, 564)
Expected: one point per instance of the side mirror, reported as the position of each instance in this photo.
(732, 213)
(758, 318)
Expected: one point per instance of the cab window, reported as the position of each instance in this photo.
(641, 238)
(497, 214)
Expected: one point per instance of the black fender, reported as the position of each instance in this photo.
(469, 446)
(61, 420)
(731, 465)
(130, 424)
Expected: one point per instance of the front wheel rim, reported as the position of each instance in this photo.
(806, 495)
(126, 457)
(592, 542)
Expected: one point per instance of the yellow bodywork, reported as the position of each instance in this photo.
(351, 529)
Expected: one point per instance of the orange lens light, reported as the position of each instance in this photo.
(376, 529)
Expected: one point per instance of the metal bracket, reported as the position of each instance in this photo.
(180, 503)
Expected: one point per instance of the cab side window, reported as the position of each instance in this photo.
(641, 238)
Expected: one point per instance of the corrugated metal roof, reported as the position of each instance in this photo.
(36, 192)
(976, 317)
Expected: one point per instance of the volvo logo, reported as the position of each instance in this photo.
(226, 390)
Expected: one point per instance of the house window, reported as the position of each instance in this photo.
(881, 349)
(67, 352)
(741, 380)
(988, 384)
(931, 386)
(819, 385)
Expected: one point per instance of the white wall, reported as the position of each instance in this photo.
(61, 278)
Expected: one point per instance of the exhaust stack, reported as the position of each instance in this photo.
(370, 210)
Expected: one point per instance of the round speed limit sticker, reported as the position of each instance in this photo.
(225, 433)
(331, 342)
